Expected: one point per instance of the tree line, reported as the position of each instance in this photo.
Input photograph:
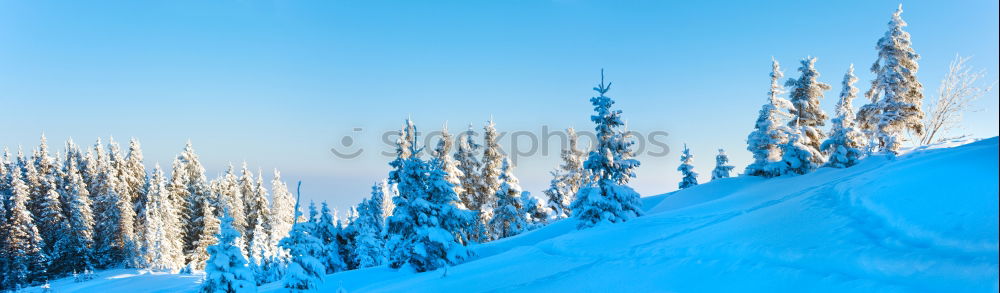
(81, 210)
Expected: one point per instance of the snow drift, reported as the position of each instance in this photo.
(923, 221)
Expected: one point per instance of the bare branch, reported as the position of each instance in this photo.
(959, 88)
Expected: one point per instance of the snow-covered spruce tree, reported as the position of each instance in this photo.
(796, 156)
(369, 244)
(116, 166)
(259, 248)
(226, 270)
(305, 270)
(114, 217)
(508, 217)
(346, 235)
(568, 179)
(768, 132)
(722, 167)
(22, 244)
(90, 167)
(405, 149)
(227, 188)
(609, 199)
(326, 231)
(407, 186)
(5, 173)
(689, 176)
(134, 186)
(41, 176)
(468, 165)
(846, 143)
(484, 199)
(492, 169)
(78, 252)
(806, 92)
(535, 211)
(257, 211)
(895, 95)
(162, 246)
(313, 214)
(208, 226)
(52, 227)
(268, 259)
(282, 211)
(72, 156)
(425, 229)
(189, 190)
(45, 203)
(134, 177)
(442, 154)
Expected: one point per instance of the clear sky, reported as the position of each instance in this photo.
(279, 83)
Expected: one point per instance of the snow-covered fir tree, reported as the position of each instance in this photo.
(508, 217)
(207, 224)
(384, 199)
(722, 167)
(229, 189)
(609, 199)
(769, 133)
(313, 214)
(162, 245)
(405, 150)
(78, 252)
(226, 270)
(484, 197)
(190, 191)
(798, 157)
(133, 185)
(492, 169)
(846, 143)
(468, 166)
(41, 176)
(257, 211)
(52, 227)
(24, 260)
(442, 155)
(259, 247)
(895, 95)
(116, 168)
(327, 231)
(568, 179)
(425, 229)
(689, 177)
(534, 210)
(369, 245)
(305, 269)
(806, 92)
(5, 173)
(45, 203)
(134, 177)
(114, 217)
(282, 210)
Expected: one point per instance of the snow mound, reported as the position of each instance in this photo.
(924, 221)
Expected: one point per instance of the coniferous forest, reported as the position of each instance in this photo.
(81, 209)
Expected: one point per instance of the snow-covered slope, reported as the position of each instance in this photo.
(925, 221)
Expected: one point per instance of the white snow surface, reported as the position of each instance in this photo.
(925, 221)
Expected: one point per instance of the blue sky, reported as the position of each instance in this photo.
(278, 83)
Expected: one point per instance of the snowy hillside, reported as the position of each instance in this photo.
(925, 221)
